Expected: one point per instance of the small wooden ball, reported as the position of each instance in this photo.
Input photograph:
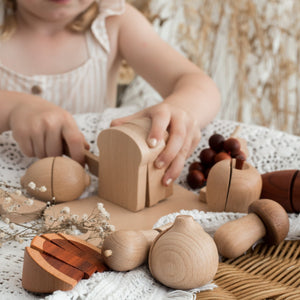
(232, 146)
(56, 179)
(196, 166)
(207, 156)
(216, 142)
(195, 179)
(221, 156)
(185, 256)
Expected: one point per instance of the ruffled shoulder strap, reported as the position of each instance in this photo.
(106, 8)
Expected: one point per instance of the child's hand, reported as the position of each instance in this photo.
(184, 136)
(41, 129)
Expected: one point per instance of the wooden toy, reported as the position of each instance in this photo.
(127, 176)
(124, 250)
(266, 219)
(284, 188)
(231, 189)
(57, 262)
(184, 256)
(18, 208)
(219, 149)
(55, 179)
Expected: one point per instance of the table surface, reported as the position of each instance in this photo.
(269, 150)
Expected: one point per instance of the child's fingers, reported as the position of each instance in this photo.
(38, 143)
(123, 120)
(160, 123)
(53, 142)
(174, 144)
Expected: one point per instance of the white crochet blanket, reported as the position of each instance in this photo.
(269, 150)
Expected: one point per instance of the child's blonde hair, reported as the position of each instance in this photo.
(80, 24)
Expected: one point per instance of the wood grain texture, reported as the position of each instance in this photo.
(184, 256)
(279, 186)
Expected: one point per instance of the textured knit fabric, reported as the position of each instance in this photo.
(82, 89)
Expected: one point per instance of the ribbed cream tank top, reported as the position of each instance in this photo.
(82, 89)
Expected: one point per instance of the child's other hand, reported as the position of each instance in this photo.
(41, 129)
(184, 136)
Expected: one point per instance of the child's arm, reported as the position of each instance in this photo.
(191, 99)
(40, 127)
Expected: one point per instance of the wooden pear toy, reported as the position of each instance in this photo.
(57, 262)
(266, 219)
(58, 179)
(283, 187)
(184, 256)
(232, 185)
(124, 250)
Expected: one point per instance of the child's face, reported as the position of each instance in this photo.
(54, 10)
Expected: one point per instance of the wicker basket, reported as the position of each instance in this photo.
(267, 272)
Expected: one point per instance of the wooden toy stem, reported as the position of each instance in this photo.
(236, 237)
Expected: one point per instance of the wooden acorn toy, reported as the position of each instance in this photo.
(57, 262)
(184, 256)
(232, 185)
(283, 187)
(124, 250)
(58, 179)
(266, 219)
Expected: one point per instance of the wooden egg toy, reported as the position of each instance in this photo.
(232, 185)
(266, 219)
(184, 256)
(284, 188)
(124, 250)
(58, 179)
(57, 262)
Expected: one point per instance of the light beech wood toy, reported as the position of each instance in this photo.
(18, 208)
(231, 189)
(284, 188)
(57, 179)
(57, 262)
(127, 175)
(184, 256)
(266, 219)
(124, 250)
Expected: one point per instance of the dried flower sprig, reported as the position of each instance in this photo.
(93, 226)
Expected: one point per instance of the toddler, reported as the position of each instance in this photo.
(60, 57)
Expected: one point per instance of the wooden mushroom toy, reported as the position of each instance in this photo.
(266, 219)
(283, 187)
(124, 250)
(184, 256)
(232, 185)
(58, 179)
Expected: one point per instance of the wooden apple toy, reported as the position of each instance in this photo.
(56, 179)
(284, 188)
(124, 250)
(266, 219)
(184, 256)
(232, 185)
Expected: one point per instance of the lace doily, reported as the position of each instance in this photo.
(269, 150)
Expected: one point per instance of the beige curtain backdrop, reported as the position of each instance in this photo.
(249, 47)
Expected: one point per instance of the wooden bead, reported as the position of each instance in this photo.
(216, 142)
(197, 166)
(185, 256)
(195, 179)
(207, 156)
(232, 146)
(221, 156)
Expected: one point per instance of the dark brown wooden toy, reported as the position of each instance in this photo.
(266, 219)
(283, 187)
(57, 262)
